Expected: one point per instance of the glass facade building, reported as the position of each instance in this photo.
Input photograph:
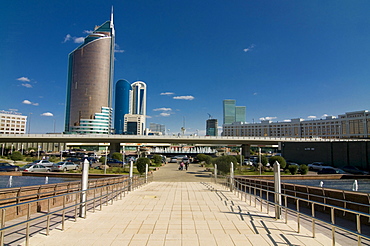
(90, 79)
(122, 104)
(229, 111)
(211, 127)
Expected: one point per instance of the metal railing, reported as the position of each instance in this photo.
(262, 196)
(69, 203)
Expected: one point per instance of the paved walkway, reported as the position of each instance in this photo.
(179, 213)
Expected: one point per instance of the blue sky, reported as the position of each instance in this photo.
(280, 59)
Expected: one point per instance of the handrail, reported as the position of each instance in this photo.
(108, 193)
(312, 195)
(314, 219)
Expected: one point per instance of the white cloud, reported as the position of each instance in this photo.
(268, 118)
(88, 31)
(184, 98)
(26, 102)
(24, 79)
(30, 103)
(117, 49)
(287, 120)
(311, 117)
(324, 115)
(79, 40)
(27, 85)
(249, 48)
(47, 114)
(67, 38)
(255, 94)
(166, 93)
(164, 114)
(162, 109)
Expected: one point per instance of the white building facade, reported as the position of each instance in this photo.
(12, 122)
(349, 125)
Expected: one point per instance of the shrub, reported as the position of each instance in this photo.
(102, 159)
(279, 159)
(29, 159)
(293, 169)
(224, 163)
(304, 169)
(16, 156)
(157, 159)
(117, 156)
(141, 164)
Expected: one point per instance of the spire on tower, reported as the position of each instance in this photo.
(111, 18)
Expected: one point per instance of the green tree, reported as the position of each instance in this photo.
(293, 169)
(264, 160)
(304, 169)
(141, 164)
(117, 156)
(206, 158)
(279, 159)
(157, 159)
(16, 156)
(224, 163)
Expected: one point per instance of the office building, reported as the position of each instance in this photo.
(12, 122)
(211, 127)
(122, 104)
(90, 78)
(134, 124)
(233, 113)
(157, 129)
(349, 125)
(138, 101)
(229, 111)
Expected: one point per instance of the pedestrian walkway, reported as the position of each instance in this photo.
(180, 213)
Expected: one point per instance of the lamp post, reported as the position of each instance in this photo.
(29, 124)
(259, 160)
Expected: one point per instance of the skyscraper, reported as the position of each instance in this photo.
(122, 104)
(211, 127)
(90, 79)
(138, 104)
(233, 113)
(229, 111)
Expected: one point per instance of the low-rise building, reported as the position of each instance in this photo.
(349, 125)
(12, 122)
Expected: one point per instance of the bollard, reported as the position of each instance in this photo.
(146, 173)
(84, 184)
(131, 172)
(277, 184)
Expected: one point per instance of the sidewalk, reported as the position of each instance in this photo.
(180, 213)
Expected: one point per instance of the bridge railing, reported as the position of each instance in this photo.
(70, 203)
(300, 208)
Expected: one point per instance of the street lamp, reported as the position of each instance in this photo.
(106, 157)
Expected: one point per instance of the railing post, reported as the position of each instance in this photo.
(215, 171)
(28, 224)
(231, 177)
(2, 224)
(358, 223)
(131, 174)
(332, 212)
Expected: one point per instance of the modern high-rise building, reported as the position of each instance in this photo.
(158, 129)
(211, 127)
(240, 112)
(90, 81)
(122, 104)
(233, 113)
(137, 110)
(138, 99)
(229, 111)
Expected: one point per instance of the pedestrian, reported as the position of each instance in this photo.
(182, 166)
(186, 165)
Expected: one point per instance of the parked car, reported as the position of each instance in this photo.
(316, 166)
(186, 160)
(331, 170)
(354, 170)
(6, 167)
(34, 168)
(64, 166)
(44, 163)
(74, 160)
(114, 163)
(177, 158)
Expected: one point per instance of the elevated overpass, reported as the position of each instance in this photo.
(115, 140)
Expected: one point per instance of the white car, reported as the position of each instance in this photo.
(64, 166)
(44, 163)
(316, 166)
(34, 168)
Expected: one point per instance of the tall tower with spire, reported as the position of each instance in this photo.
(90, 83)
